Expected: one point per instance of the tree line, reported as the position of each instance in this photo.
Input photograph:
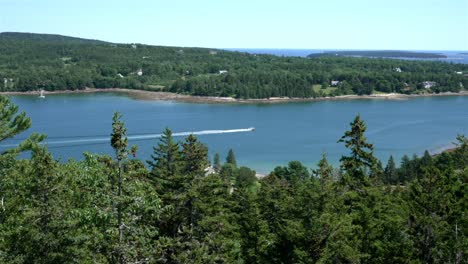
(31, 62)
(120, 209)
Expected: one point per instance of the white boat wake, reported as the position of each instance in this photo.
(141, 137)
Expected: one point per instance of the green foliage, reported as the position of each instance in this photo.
(228, 173)
(12, 123)
(245, 178)
(166, 162)
(119, 143)
(390, 173)
(194, 156)
(461, 152)
(231, 158)
(213, 220)
(295, 172)
(217, 162)
(407, 170)
(105, 210)
(436, 200)
(134, 150)
(38, 61)
(254, 234)
(361, 163)
(324, 171)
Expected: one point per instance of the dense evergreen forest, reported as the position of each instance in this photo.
(51, 62)
(119, 209)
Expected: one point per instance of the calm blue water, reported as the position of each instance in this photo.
(284, 132)
(452, 56)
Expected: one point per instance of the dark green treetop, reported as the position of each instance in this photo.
(390, 173)
(12, 123)
(231, 158)
(361, 158)
(194, 156)
(216, 162)
(165, 162)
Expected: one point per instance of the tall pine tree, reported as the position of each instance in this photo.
(165, 164)
(390, 173)
(119, 143)
(231, 158)
(361, 162)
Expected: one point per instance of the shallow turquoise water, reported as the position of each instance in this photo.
(284, 132)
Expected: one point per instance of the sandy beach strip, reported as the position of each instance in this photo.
(167, 96)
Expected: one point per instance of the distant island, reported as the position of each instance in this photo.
(381, 54)
(34, 62)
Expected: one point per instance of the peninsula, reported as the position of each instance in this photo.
(381, 54)
(34, 62)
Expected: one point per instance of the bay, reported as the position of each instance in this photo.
(283, 132)
(452, 55)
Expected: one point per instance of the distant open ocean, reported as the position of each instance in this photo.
(452, 56)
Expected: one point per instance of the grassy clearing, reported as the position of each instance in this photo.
(318, 88)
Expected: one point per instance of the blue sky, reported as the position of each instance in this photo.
(299, 24)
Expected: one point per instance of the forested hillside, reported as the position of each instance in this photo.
(115, 209)
(47, 38)
(51, 62)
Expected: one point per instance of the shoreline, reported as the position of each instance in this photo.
(167, 96)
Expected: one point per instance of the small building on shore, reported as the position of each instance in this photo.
(428, 84)
(7, 83)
